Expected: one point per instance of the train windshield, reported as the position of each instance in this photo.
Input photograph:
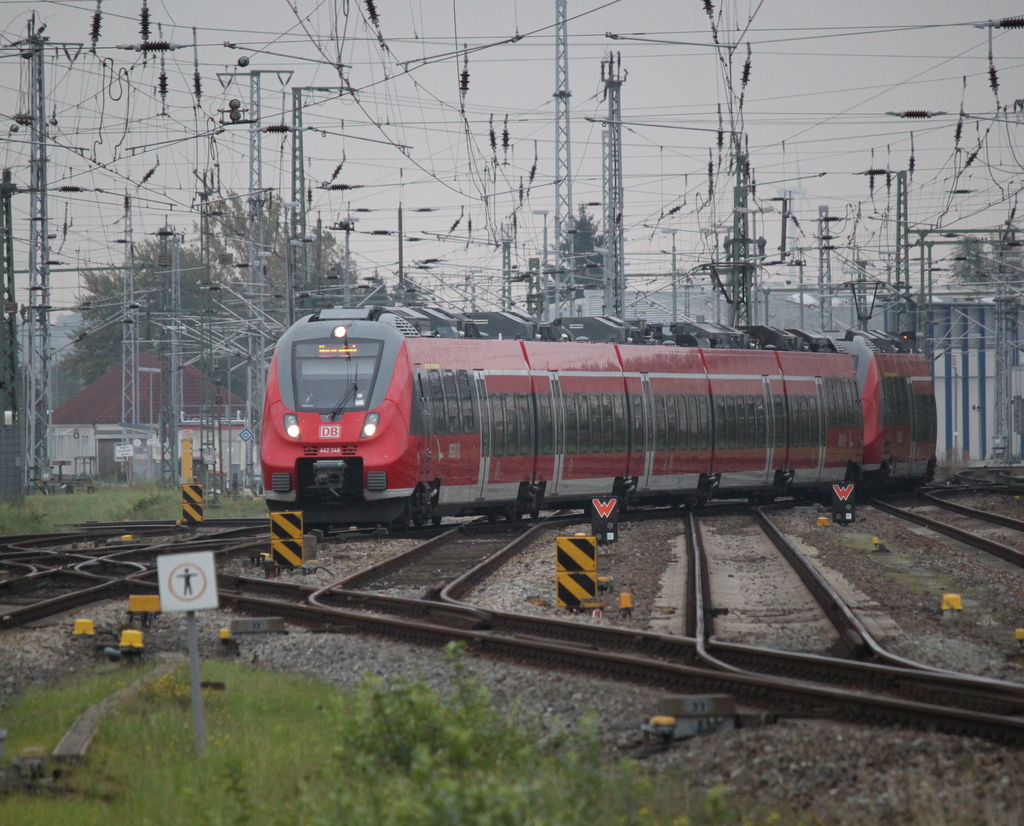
(335, 375)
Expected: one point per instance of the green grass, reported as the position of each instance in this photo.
(44, 514)
(288, 749)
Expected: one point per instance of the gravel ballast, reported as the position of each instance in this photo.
(842, 773)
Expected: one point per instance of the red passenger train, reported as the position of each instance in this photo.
(366, 421)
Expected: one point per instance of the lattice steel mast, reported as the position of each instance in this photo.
(614, 270)
(565, 221)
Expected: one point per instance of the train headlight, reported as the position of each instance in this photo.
(291, 425)
(370, 425)
(340, 331)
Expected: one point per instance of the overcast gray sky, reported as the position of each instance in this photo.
(823, 77)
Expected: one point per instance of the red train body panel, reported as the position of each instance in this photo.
(366, 424)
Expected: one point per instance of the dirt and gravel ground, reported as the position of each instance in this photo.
(839, 773)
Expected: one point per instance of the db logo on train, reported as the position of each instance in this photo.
(330, 431)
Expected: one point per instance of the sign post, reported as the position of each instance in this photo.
(188, 582)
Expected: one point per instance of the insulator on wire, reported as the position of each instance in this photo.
(309, 195)
(993, 78)
(673, 211)
(197, 86)
(522, 192)
(464, 75)
(745, 78)
(458, 221)
(494, 139)
(709, 8)
(721, 129)
(337, 171)
(913, 163)
(162, 86)
(144, 22)
(959, 129)
(504, 136)
(148, 175)
(971, 158)
(371, 11)
(97, 24)
(711, 176)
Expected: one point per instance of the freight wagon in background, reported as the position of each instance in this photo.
(398, 415)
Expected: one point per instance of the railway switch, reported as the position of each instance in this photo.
(84, 627)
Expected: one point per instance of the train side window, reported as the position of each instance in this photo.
(451, 401)
(583, 406)
(572, 427)
(637, 421)
(729, 422)
(761, 428)
(704, 420)
(856, 413)
(619, 421)
(671, 424)
(814, 412)
(498, 424)
(696, 410)
(545, 424)
(779, 420)
(660, 423)
(719, 423)
(512, 426)
(466, 401)
(798, 405)
(526, 420)
(437, 402)
(608, 420)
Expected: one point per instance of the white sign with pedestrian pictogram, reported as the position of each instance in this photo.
(188, 582)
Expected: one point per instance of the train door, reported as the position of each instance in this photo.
(558, 434)
(644, 405)
(426, 422)
(818, 420)
(484, 420)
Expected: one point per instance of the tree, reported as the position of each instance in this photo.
(99, 344)
(588, 267)
(972, 261)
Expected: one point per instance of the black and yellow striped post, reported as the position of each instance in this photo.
(191, 504)
(286, 538)
(576, 570)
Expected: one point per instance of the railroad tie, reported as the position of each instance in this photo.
(75, 743)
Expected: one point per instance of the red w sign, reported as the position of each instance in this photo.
(843, 491)
(604, 509)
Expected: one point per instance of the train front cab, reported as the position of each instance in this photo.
(335, 427)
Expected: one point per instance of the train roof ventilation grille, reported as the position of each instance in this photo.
(403, 326)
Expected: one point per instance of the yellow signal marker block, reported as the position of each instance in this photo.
(625, 600)
(131, 638)
(84, 627)
(225, 633)
(1019, 635)
(143, 603)
(823, 521)
(952, 602)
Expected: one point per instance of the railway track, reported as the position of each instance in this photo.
(789, 683)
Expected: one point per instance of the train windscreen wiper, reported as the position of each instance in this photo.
(342, 401)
